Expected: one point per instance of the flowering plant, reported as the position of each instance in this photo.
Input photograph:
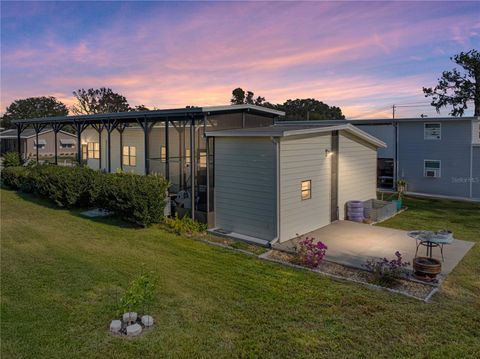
(386, 271)
(310, 252)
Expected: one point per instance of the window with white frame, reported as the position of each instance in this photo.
(432, 131)
(163, 154)
(129, 156)
(93, 149)
(40, 145)
(432, 168)
(306, 189)
(187, 156)
(202, 163)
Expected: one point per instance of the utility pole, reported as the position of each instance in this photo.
(393, 111)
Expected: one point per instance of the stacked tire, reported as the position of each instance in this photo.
(355, 211)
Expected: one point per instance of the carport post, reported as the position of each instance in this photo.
(37, 127)
(19, 141)
(167, 152)
(56, 127)
(192, 163)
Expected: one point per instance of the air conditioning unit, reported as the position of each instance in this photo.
(432, 173)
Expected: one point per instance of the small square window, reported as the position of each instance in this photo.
(306, 189)
(432, 131)
(432, 168)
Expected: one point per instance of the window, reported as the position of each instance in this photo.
(84, 152)
(432, 131)
(93, 150)
(129, 156)
(187, 156)
(432, 168)
(163, 154)
(66, 145)
(202, 163)
(306, 190)
(40, 145)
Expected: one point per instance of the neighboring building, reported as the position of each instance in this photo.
(437, 156)
(66, 143)
(241, 173)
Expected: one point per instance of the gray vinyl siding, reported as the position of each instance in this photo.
(476, 172)
(304, 159)
(453, 150)
(357, 171)
(386, 133)
(246, 186)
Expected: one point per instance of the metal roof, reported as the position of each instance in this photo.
(177, 112)
(280, 130)
(28, 132)
(380, 121)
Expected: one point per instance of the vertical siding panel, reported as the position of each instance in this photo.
(245, 186)
(304, 159)
(357, 172)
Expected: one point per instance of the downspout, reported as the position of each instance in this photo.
(470, 180)
(277, 150)
(396, 167)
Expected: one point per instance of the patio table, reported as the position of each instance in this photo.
(431, 239)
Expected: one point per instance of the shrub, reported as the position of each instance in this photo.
(138, 295)
(66, 186)
(14, 177)
(311, 253)
(184, 225)
(387, 272)
(140, 199)
(12, 159)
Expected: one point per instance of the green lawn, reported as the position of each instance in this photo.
(59, 270)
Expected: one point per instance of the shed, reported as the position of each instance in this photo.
(277, 182)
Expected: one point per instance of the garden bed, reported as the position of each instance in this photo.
(405, 286)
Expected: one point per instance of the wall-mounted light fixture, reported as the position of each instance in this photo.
(328, 152)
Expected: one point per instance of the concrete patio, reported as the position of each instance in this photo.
(351, 244)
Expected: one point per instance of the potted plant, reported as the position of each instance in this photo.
(401, 189)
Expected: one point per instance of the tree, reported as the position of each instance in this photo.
(239, 97)
(458, 89)
(310, 109)
(102, 100)
(140, 108)
(33, 107)
(295, 110)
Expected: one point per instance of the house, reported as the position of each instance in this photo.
(436, 156)
(65, 147)
(275, 183)
(234, 167)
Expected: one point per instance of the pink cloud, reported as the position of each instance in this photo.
(327, 51)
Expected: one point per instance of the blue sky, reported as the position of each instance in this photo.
(361, 56)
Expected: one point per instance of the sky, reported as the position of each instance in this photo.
(361, 56)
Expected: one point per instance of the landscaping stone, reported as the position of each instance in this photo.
(129, 317)
(147, 320)
(134, 329)
(115, 326)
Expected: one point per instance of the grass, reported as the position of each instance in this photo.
(59, 272)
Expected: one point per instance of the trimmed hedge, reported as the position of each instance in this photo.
(12, 159)
(136, 198)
